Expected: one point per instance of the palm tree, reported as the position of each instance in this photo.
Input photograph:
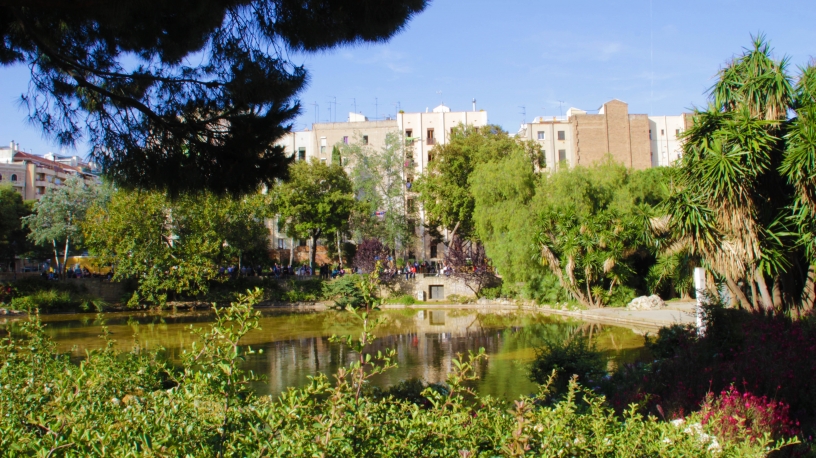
(730, 203)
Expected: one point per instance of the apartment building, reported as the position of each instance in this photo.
(32, 175)
(421, 131)
(581, 138)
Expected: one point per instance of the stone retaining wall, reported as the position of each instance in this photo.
(422, 283)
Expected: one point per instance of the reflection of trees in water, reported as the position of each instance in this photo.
(296, 345)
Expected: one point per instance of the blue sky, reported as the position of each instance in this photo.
(658, 56)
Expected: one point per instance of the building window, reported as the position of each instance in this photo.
(322, 149)
(562, 155)
(302, 242)
(281, 243)
(322, 160)
(430, 137)
(662, 132)
(542, 135)
(365, 139)
(677, 133)
(561, 135)
(433, 250)
(650, 134)
(345, 140)
(301, 154)
(409, 133)
(13, 177)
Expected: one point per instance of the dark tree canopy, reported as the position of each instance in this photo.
(184, 94)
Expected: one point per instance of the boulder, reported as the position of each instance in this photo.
(652, 302)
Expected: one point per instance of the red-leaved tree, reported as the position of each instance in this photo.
(469, 263)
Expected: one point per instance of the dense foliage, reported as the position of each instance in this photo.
(122, 404)
(59, 214)
(380, 188)
(767, 360)
(315, 201)
(743, 189)
(447, 188)
(12, 233)
(588, 227)
(185, 95)
(174, 247)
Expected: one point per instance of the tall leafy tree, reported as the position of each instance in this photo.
(186, 94)
(58, 216)
(446, 189)
(172, 247)
(12, 232)
(315, 201)
(379, 183)
(594, 230)
(731, 202)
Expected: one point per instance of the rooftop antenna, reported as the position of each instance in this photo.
(523, 114)
(317, 112)
(355, 104)
(335, 108)
(561, 107)
(441, 101)
(376, 109)
(474, 104)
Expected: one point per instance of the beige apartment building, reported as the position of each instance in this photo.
(32, 175)
(421, 132)
(635, 140)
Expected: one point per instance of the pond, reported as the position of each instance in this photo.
(296, 344)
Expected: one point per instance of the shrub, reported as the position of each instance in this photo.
(405, 299)
(737, 416)
(770, 356)
(134, 404)
(491, 292)
(575, 356)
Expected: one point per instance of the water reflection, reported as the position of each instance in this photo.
(296, 344)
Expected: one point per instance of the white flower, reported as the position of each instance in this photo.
(678, 422)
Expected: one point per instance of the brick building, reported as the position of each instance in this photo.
(635, 140)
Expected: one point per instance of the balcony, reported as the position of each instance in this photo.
(431, 141)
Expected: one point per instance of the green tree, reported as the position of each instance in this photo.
(504, 215)
(379, 184)
(58, 216)
(446, 189)
(316, 200)
(336, 158)
(743, 188)
(594, 229)
(172, 247)
(12, 232)
(181, 95)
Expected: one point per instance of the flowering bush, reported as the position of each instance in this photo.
(734, 415)
(772, 357)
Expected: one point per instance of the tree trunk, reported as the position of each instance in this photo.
(65, 256)
(777, 294)
(736, 293)
(754, 295)
(339, 253)
(56, 256)
(312, 251)
(767, 301)
(292, 252)
(809, 292)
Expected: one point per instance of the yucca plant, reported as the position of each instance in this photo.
(744, 173)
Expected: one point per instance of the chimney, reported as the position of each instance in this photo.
(12, 145)
(474, 104)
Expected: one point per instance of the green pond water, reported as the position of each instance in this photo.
(296, 344)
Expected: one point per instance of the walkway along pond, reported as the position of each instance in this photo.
(295, 344)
